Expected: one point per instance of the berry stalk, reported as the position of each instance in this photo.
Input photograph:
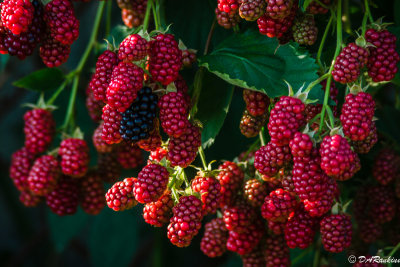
(321, 45)
(89, 47)
(147, 15)
(338, 46)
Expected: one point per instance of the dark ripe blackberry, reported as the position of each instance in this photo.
(137, 120)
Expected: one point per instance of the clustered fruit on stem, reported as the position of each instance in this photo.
(273, 197)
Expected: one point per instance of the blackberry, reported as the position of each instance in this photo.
(304, 30)
(276, 251)
(17, 15)
(336, 232)
(271, 157)
(92, 193)
(213, 243)
(137, 120)
(278, 205)
(64, 199)
(227, 20)
(251, 10)
(129, 156)
(386, 166)
(250, 126)
(279, 9)
(21, 163)
(120, 196)
(159, 212)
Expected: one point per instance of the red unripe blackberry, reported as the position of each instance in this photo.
(133, 48)
(369, 231)
(349, 63)
(186, 222)
(94, 106)
(256, 103)
(279, 9)
(255, 192)
(182, 150)
(304, 30)
(181, 86)
(210, 192)
(277, 228)
(131, 18)
(364, 146)
(158, 155)
(286, 118)
(255, 258)
(300, 229)
(75, 157)
(321, 206)
(251, 10)
(120, 196)
(21, 162)
(64, 199)
(54, 53)
(188, 58)
(310, 181)
(230, 177)
(213, 242)
(129, 156)
(239, 217)
(383, 58)
(43, 175)
(105, 65)
(336, 155)
(301, 146)
(61, 21)
(336, 232)
(98, 142)
(278, 205)
(39, 130)
(151, 183)
(269, 159)
(17, 15)
(165, 59)
(277, 27)
(276, 251)
(108, 167)
(357, 113)
(159, 212)
(250, 126)
(354, 168)
(154, 141)
(92, 193)
(315, 8)
(245, 242)
(227, 20)
(228, 6)
(28, 199)
(126, 81)
(382, 204)
(173, 113)
(385, 166)
(23, 44)
(111, 123)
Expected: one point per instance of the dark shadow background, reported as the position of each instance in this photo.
(35, 237)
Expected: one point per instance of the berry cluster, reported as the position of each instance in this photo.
(26, 24)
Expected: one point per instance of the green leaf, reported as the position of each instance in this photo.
(385, 123)
(113, 237)
(214, 102)
(64, 228)
(41, 80)
(256, 62)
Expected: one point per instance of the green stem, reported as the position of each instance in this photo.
(367, 10)
(317, 81)
(71, 104)
(346, 18)
(156, 7)
(321, 45)
(338, 47)
(301, 256)
(317, 256)
(397, 247)
(57, 93)
(198, 83)
(93, 37)
(262, 138)
(108, 17)
(203, 158)
(147, 15)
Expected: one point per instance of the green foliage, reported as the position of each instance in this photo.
(214, 102)
(113, 238)
(64, 228)
(41, 80)
(256, 62)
